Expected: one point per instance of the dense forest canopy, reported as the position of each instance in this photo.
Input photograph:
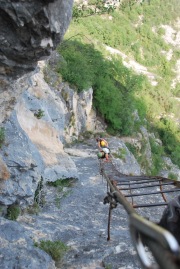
(93, 49)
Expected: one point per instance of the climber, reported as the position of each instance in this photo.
(102, 155)
(103, 146)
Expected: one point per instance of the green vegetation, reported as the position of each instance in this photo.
(108, 266)
(136, 29)
(65, 182)
(94, 7)
(55, 249)
(39, 196)
(2, 136)
(157, 152)
(114, 85)
(72, 120)
(13, 212)
(87, 134)
(169, 134)
(172, 176)
(39, 114)
(62, 186)
(142, 157)
(121, 154)
(33, 209)
(177, 90)
(133, 149)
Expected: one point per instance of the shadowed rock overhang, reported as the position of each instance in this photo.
(30, 31)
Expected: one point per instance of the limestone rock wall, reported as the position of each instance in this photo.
(80, 115)
(44, 119)
(33, 147)
(32, 151)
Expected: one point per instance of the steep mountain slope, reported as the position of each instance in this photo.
(51, 112)
(107, 46)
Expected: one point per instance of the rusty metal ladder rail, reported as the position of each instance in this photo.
(133, 180)
(159, 241)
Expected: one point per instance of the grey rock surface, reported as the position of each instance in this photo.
(26, 163)
(172, 169)
(126, 163)
(17, 249)
(22, 159)
(80, 220)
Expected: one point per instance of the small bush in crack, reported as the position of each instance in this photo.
(2, 136)
(121, 154)
(108, 266)
(62, 186)
(66, 182)
(87, 134)
(33, 209)
(13, 212)
(39, 197)
(55, 249)
(133, 149)
(172, 176)
(39, 114)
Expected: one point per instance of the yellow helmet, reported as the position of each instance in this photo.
(103, 143)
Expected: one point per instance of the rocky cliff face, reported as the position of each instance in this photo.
(30, 30)
(43, 119)
(40, 114)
